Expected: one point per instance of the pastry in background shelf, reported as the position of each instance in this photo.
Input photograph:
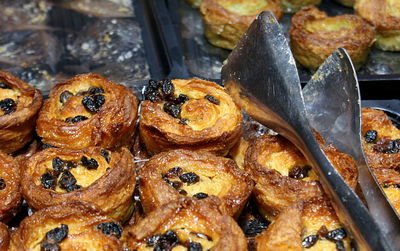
(71, 226)
(94, 175)
(19, 105)
(292, 6)
(283, 175)
(188, 114)
(4, 237)
(385, 15)
(347, 3)
(88, 110)
(227, 20)
(382, 149)
(309, 225)
(314, 36)
(171, 175)
(186, 224)
(10, 195)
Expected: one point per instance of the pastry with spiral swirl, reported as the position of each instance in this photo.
(314, 36)
(171, 175)
(88, 110)
(67, 226)
(227, 20)
(19, 106)
(94, 175)
(188, 114)
(186, 224)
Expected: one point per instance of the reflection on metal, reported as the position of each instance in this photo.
(261, 76)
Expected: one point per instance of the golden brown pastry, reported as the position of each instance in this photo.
(88, 110)
(4, 236)
(71, 226)
(10, 195)
(348, 3)
(94, 175)
(389, 179)
(283, 175)
(19, 105)
(385, 15)
(191, 114)
(185, 224)
(314, 36)
(180, 173)
(312, 225)
(227, 20)
(292, 6)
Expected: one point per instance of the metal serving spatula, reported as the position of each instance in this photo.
(332, 101)
(261, 75)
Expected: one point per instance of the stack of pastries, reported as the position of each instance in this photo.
(209, 178)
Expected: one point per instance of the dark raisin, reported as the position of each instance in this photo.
(201, 235)
(60, 165)
(48, 181)
(183, 192)
(212, 99)
(49, 246)
(396, 185)
(167, 87)
(340, 246)
(153, 240)
(299, 172)
(253, 227)
(2, 184)
(172, 109)
(174, 184)
(65, 95)
(393, 146)
(67, 181)
(57, 234)
(95, 90)
(8, 106)
(183, 121)
(4, 85)
(110, 228)
(182, 98)
(386, 185)
(336, 234)
(189, 178)
(194, 246)
(171, 238)
(200, 195)
(174, 172)
(45, 146)
(90, 164)
(323, 231)
(93, 103)
(309, 241)
(76, 119)
(153, 84)
(370, 136)
(105, 154)
(152, 96)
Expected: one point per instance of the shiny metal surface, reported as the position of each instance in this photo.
(332, 101)
(261, 76)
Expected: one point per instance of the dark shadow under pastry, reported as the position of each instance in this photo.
(4, 236)
(19, 105)
(88, 110)
(180, 173)
(10, 195)
(283, 175)
(385, 15)
(227, 20)
(347, 3)
(186, 223)
(67, 226)
(314, 36)
(94, 175)
(188, 114)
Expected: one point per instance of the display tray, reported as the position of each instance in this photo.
(205, 60)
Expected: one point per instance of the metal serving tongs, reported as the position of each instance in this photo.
(261, 76)
(333, 105)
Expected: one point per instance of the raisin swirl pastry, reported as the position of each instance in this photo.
(186, 224)
(4, 236)
(385, 15)
(283, 175)
(67, 226)
(314, 36)
(88, 110)
(191, 114)
(10, 195)
(312, 225)
(19, 105)
(174, 174)
(227, 20)
(94, 175)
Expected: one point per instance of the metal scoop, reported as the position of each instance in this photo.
(261, 75)
(332, 101)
